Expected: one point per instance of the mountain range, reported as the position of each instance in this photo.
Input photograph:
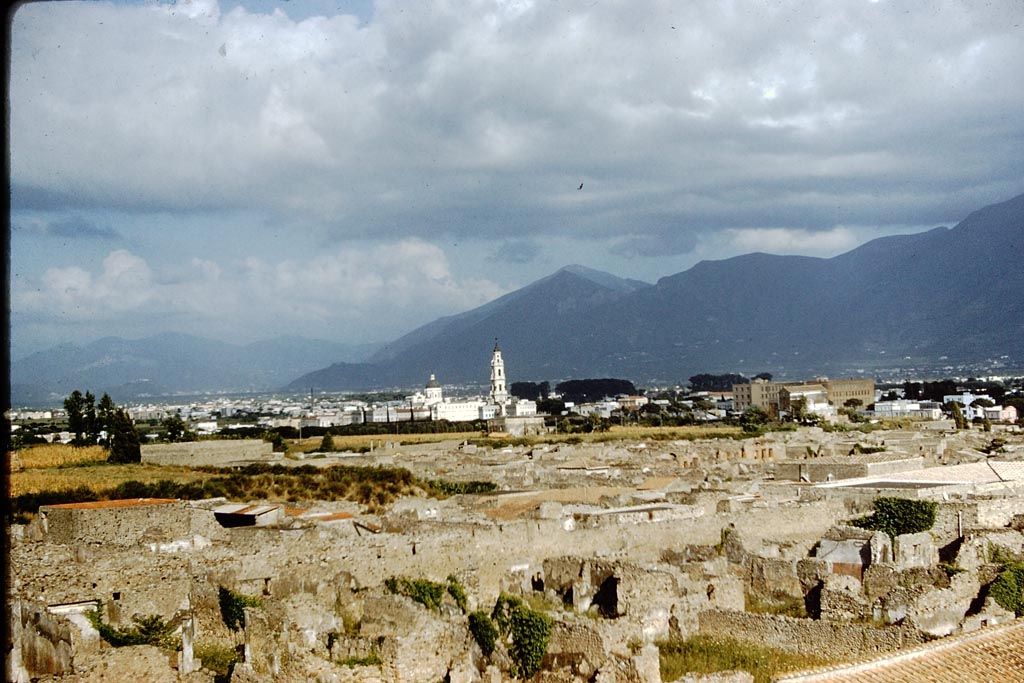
(167, 364)
(947, 295)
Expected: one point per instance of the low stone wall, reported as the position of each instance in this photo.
(117, 522)
(807, 636)
(207, 453)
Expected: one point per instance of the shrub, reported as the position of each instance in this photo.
(441, 487)
(232, 607)
(148, 630)
(220, 659)
(1008, 588)
(483, 630)
(458, 593)
(896, 516)
(424, 591)
(530, 632)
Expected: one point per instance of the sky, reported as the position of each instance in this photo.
(350, 170)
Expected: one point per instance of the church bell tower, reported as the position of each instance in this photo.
(499, 394)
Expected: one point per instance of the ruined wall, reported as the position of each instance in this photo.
(809, 637)
(115, 525)
(41, 643)
(207, 453)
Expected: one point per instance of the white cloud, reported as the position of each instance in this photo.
(391, 284)
(790, 241)
(436, 112)
(699, 129)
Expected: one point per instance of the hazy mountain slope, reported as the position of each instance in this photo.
(169, 363)
(945, 292)
(458, 348)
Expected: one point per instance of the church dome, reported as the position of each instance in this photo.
(432, 383)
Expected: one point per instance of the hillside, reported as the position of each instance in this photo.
(945, 295)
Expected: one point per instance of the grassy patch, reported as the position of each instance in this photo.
(705, 655)
(781, 605)
(374, 487)
(220, 659)
(372, 659)
(60, 455)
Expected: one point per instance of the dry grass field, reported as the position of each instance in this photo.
(46, 456)
(97, 477)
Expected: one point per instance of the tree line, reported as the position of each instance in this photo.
(103, 423)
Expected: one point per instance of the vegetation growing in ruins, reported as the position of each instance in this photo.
(529, 630)
(483, 630)
(232, 606)
(896, 516)
(145, 630)
(220, 659)
(372, 659)
(779, 604)
(458, 593)
(1008, 588)
(424, 591)
(442, 488)
(706, 655)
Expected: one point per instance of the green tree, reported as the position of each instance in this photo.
(123, 440)
(276, 439)
(92, 427)
(105, 415)
(74, 406)
(959, 421)
(754, 419)
(327, 443)
(853, 403)
(176, 430)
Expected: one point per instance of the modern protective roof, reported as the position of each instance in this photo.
(122, 503)
(994, 655)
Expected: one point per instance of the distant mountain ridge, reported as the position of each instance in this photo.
(169, 363)
(946, 292)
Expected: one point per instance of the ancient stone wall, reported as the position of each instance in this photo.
(807, 636)
(111, 522)
(207, 453)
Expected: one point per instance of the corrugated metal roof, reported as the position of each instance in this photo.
(121, 503)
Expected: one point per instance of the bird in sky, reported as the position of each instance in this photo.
(580, 187)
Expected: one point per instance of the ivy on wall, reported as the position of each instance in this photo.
(232, 607)
(897, 516)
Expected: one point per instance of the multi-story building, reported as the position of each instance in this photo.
(766, 395)
(760, 393)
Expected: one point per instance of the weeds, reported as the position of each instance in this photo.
(706, 655)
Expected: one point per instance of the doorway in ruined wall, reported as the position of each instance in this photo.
(607, 598)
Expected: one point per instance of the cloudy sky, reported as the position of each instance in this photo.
(351, 169)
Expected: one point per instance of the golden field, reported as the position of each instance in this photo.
(97, 477)
(60, 455)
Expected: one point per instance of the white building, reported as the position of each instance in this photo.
(966, 399)
(457, 411)
(928, 410)
(499, 394)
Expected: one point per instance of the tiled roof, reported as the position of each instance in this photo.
(123, 503)
(991, 655)
(974, 472)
